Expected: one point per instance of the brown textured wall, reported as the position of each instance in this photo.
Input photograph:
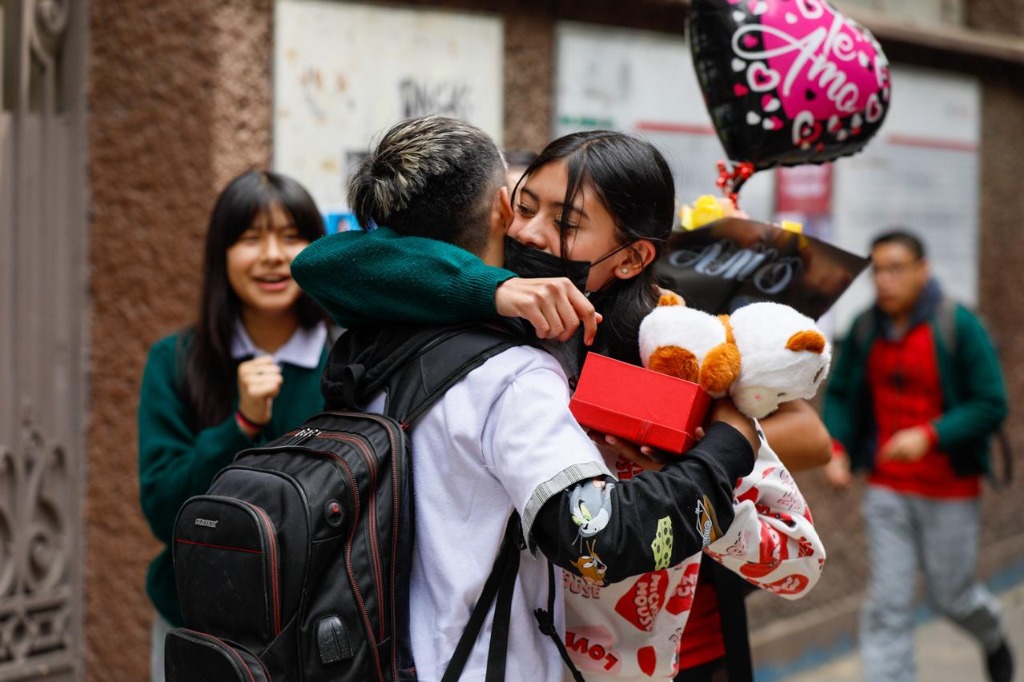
(998, 16)
(180, 102)
(529, 76)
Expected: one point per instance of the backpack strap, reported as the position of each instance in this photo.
(945, 321)
(412, 390)
(546, 623)
(442, 360)
(500, 586)
(863, 327)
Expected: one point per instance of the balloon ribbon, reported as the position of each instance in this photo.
(730, 180)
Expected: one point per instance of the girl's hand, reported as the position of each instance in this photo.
(643, 456)
(723, 410)
(259, 382)
(553, 305)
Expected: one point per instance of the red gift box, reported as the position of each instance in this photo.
(642, 406)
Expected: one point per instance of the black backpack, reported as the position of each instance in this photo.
(294, 566)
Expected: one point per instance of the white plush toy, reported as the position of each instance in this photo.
(784, 357)
(762, 355)
(689, 344)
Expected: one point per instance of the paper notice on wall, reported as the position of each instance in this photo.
(920, 173)
(344, 73)
(644, 83)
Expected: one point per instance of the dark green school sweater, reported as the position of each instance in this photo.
(176, 462)
(973, 393)
(408, 279)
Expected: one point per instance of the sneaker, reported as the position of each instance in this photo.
(1000, 664)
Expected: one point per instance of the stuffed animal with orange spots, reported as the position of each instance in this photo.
(762, 355)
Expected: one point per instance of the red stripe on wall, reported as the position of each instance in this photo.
(931, 143)
(686, 128)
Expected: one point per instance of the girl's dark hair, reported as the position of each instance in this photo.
(209, 373)
(634, 183)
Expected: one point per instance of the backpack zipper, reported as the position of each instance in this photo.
(270, 533)
(395, 436)
(371, 464)
(340, 461)
(301, 436)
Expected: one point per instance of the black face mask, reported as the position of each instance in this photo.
(529, 262)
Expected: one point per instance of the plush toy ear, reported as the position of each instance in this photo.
(674, 361)
(809, 340)
(720, 368)
(670, 298)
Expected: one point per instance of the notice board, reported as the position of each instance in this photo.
(920, 172)
(345, 72)
(643, 82)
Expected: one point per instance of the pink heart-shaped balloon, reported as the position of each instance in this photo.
(828, 63)
(819, 73)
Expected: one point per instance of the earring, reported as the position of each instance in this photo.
(625, 271)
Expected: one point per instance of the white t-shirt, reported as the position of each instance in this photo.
(502, 439)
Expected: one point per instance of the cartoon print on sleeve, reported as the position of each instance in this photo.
(707, 522)
(590, 506)
(580, 586)
(662, 545)
(591, 567)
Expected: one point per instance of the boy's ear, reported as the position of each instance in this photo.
(501, 211)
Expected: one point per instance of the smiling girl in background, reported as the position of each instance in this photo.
(247, 371)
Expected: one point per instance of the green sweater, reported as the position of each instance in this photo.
(176, 463)
(398, 279)
(973, 394)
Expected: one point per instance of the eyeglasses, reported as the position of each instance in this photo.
(894, 269)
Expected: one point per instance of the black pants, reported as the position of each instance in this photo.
(736, 665)
(712, 671)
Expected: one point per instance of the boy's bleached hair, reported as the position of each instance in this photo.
(430, 177)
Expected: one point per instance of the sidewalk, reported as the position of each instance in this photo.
(944, 654)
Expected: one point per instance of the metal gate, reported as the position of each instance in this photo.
(42, 350)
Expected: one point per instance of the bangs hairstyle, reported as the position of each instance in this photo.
(430, 177)
(209, 374)
(633, 182)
